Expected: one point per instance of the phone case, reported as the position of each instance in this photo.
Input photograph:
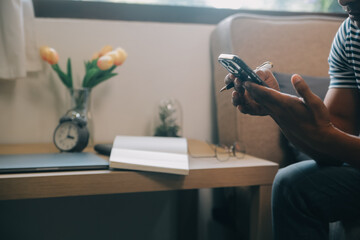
(238, 67)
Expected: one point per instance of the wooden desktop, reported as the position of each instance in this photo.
(204, 173)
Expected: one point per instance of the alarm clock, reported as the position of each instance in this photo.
(71, 135)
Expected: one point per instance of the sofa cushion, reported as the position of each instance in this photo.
(318, 85)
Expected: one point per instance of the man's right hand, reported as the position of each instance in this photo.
(242, 100)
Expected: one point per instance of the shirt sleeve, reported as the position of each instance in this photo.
(340, 69)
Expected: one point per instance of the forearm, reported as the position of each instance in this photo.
(332, 148)
(343, 146)
(308, 148)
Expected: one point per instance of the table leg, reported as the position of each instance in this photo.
(260, 213)
(187, 226)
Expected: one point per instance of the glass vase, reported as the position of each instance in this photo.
(80, 107)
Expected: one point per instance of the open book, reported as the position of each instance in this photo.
(156, 154)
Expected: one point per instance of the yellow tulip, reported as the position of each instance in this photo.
(52, 56)
(105, 62)
(95, 56)
(44, 52)
(122, 56)
(49, 55)
(105, 50)
(114, 54)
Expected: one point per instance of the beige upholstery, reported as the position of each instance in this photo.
(298, 44)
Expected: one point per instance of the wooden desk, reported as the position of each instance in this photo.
(204, 173)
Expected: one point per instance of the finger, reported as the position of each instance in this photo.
(248, 105)
(238, 86)
(236, 98)
(241, 102)
(244, 108)
(268, 77)
(262, 95)
(229, 79)
(311, 100)
(263, 73)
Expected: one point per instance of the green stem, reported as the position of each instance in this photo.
(63, 77)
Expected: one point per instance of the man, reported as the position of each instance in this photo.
(310, 194)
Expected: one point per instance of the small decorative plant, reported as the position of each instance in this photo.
(168, 126)
(97, 70)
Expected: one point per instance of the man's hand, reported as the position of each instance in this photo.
(240, 97)
(305, 113)
(305, 120)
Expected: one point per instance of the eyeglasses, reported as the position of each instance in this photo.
(224, 152)
(221, 152)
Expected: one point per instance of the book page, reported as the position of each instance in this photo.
(149, 161)
(156, 154)
(147, 143)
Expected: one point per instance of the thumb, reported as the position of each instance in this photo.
(305, 92)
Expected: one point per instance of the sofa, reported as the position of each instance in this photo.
(294, 44)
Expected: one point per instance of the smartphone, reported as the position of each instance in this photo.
(238, 68)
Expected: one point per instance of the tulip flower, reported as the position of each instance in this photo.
(122, 56)
(44, 50)
(115, 56)
(52, 56)
(105, 62)
(95, 56)
(105, 50)
(49, 55)
(97, 70)
(118, 55)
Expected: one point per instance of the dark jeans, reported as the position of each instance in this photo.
(306, 197)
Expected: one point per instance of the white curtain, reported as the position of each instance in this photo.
(18, 46)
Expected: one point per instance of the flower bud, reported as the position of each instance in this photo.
(52, 56)
(114, 54)
(95, 56)
(105, 50)
(44, 52)
(122, 56)
(105, 62)
(118, 56)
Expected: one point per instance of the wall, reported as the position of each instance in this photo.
(165, 61)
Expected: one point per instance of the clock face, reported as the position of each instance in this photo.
(66, 136)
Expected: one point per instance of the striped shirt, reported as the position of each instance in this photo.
(344, 58)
